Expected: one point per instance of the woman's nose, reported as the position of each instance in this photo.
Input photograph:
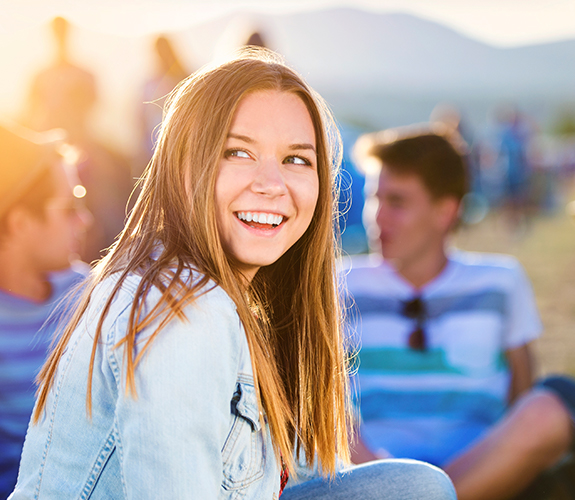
(269, 179)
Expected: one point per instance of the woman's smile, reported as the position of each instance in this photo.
(260, 220)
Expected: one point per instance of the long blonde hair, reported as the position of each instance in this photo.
(295, 338)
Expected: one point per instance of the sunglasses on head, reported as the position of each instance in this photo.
(415, 309)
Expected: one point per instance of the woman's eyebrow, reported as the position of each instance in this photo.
(294, 147)
(240, 137)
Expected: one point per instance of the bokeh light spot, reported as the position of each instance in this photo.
(79, 191)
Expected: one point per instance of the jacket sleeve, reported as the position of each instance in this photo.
(170, 436)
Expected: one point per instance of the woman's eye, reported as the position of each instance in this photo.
(297, 160)
(237, 153)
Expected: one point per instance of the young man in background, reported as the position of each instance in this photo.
(445, 371)
(41, 229)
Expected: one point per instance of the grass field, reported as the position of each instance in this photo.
(547, 251)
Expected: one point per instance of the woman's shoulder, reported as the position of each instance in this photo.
(206, 328)
(189, 279)
(208, 305)
(130, 285)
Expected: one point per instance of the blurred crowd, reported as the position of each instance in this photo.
(63, 96)
(516, 169)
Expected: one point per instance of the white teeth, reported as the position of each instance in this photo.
(261, 218)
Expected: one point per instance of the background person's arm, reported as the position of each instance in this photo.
(360, 453)
(521, 364)
(523, 325)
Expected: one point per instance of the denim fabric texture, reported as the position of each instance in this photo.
(192, 431)
(379, 480)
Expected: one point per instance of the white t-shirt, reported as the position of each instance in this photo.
(429, 405)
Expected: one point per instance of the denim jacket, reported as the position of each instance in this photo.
(192, 431)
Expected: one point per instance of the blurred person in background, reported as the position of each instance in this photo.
(475, 203)
(445, 365)
(351, 197)
(168, 72)
(41, 230)
(510, 161)
(64, 95)
(256, 40)
(513, 142)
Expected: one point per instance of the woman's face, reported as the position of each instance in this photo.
(267, 185)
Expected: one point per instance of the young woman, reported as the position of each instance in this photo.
(207, 348)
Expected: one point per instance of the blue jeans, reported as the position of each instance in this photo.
(381, 480)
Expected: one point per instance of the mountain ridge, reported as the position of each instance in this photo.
(357, 49)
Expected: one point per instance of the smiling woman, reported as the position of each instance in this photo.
(207, 348)
(267, 185)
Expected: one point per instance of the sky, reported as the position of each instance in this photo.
(504, 23)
